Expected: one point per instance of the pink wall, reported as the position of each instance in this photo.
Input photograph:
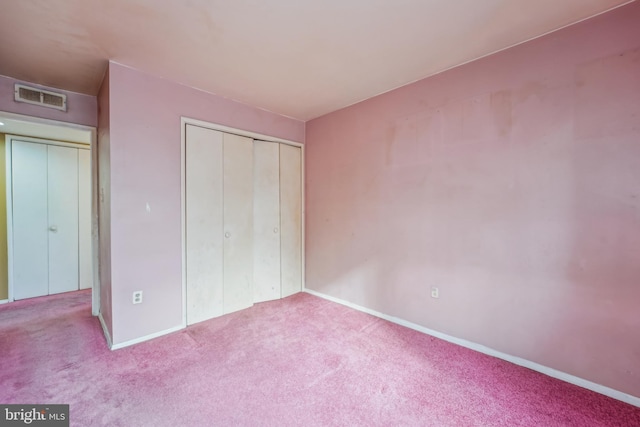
(81, 109)
(512, 184)
(145, 169)
(104, 202)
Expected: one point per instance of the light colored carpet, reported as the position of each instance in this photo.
(301, 361)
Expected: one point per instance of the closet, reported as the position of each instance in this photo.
(50, 229)
(277, 220)
(243, 221)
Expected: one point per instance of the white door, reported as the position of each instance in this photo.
(203, 198)
(51, 211)
(238, 222)
(30, 220)
(63, 218)
(243, 222)
(266, 221)
(291, 219)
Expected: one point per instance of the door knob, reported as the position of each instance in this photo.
(53, 228)
(275, 230)
(227, 234)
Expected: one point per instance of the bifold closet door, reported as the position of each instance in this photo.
(238, 222)
(47, 231)
(243, 219)
(63, 218)
(266, 221)
(30, 222)
(204, 223)
(290, 219)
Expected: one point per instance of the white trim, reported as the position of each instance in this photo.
(42, 121)
(79, 146)
(183, 221)
(235, 131)
(184, 121)
(572, 379)
(93, 139)
(95, 225)
(3, 301)
(105, 331)
(303, 257)
(146, 337)
(8, 195)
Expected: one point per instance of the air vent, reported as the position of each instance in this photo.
(40, 97)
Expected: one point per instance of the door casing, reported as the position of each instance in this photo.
(87, 135)
(184, 121)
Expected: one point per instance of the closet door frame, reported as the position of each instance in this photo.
(9, 138)
(184, 121)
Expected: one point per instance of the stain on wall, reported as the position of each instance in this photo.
(512, 184)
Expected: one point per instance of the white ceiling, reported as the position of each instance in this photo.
(300, 58)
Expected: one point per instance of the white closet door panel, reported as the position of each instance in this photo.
(291, 219)
(63, 218)
(204, 209)
(266, 221)
(238, 222)
(30, 240)
(84, 219)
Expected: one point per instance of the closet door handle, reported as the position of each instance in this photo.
(275, 230)
(53, 229)
(227, 234)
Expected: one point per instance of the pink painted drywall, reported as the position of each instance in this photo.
(104, 202)
(144, 162)
(81, 109)
(511, 183)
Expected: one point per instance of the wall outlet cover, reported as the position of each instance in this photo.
(137, 297)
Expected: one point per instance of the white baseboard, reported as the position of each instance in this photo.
(146, 337)
(105, 330)
(581, 382)
(4, 301)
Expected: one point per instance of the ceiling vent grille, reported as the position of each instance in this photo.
(44, 98)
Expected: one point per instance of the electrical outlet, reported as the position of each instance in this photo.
(435, 292)
(137, 297)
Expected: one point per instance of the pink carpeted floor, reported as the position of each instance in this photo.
(301, 361)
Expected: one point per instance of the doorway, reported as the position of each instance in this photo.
(57, 166)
